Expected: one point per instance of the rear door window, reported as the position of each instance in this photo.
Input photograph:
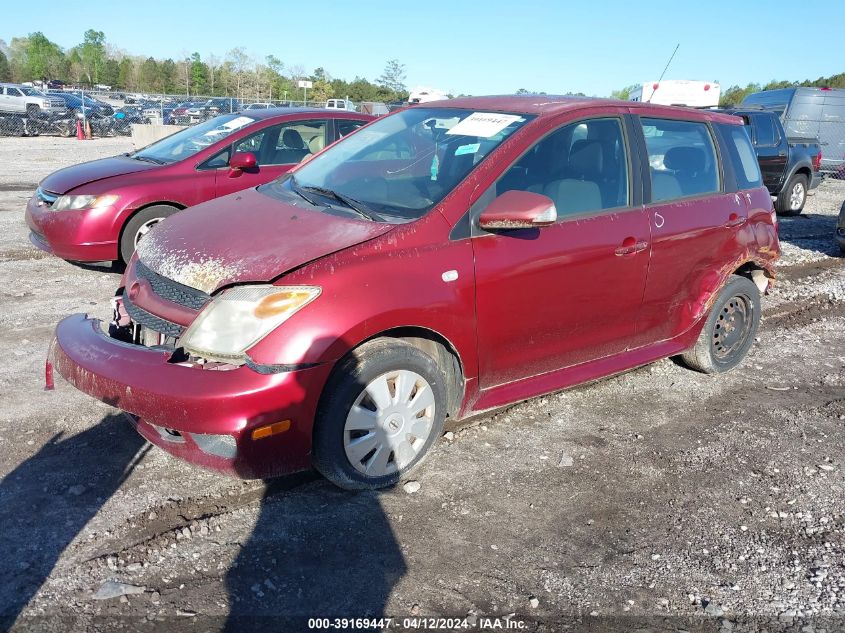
(766, 134)
(682, 159)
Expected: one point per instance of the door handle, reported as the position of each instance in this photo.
(735, 220)
(631, 246)
(781, 153)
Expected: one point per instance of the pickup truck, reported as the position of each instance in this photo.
(25, 100)
(790, 165)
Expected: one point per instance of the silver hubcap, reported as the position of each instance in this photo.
(796, 197)
(389, 423)
(145, 228)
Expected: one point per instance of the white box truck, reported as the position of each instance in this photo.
(680, 92)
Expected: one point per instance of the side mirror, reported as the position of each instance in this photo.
(241, 162)
(518, 210)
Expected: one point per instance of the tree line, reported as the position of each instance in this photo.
(237, 74)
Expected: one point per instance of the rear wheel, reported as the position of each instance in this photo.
(791, 200)
(729, 330)
(139, 225)
(381, 411)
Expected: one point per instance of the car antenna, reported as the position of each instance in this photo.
(671, 57)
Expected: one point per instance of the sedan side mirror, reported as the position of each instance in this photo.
(241, 161)
(518, 210)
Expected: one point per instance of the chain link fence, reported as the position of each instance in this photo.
(26, 111)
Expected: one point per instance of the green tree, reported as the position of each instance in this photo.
(36, 57)
(199, 75)
(148, 76)
(124, 75)
(5, 69)
(393, 77)
(169, 76)
(623, 93)
(111, 73)
(92, 54)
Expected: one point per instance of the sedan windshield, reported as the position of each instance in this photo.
(399, 167)
(189, 141)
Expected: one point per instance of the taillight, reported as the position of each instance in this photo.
(817, 161)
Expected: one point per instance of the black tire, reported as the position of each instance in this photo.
(784, 204)
(32, 111)
(729, 330)
(347, 382)
(142, 218)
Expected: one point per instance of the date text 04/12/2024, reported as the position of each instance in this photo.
(417, 623)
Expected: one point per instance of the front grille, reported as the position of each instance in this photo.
(171, 290)
(151, 321)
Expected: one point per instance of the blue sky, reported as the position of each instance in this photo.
(475, 47)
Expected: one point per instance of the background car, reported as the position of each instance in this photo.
(25, 100)
(100, 210)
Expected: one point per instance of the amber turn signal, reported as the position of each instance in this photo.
(271, 429)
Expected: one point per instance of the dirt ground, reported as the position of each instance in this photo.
(662, 499)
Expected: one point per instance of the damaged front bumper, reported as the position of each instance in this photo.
(205, 416)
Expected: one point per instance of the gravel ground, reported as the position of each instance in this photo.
(661, 499)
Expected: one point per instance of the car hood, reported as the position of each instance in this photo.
(247, 237)
(69, 178)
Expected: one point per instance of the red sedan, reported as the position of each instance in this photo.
(100, 210)
(448, 259)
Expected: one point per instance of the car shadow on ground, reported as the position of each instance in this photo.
(810, 232)
(322, 552)
(47, 500)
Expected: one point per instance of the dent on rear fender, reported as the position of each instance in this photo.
(713, 283)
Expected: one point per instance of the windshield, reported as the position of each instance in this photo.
(189, 141)
(31, 92)
(402, 165)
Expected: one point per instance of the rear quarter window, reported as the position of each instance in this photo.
(741, 155)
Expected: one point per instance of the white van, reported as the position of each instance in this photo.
(340, 104)
(679, 92)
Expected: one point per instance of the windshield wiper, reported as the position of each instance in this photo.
(356, 205)
(298, 191)
(147, 159)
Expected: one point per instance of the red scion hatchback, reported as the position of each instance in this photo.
(100, 210)
(447, 259)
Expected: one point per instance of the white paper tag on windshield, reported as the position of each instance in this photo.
(483, 124)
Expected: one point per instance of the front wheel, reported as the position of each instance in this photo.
(138, 227)
(381, 411)
(791, 200)
(729, 330)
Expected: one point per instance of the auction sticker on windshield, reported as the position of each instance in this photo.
(484, 124)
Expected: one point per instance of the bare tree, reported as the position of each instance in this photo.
(186, 65)
(213, 62)
(239, 61)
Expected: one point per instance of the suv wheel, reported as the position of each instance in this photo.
(791, 200)
(729, 330)
(32, 111)
(381, 411)
(139, 225)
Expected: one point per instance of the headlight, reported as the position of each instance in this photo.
(83, 202)
(240, 317)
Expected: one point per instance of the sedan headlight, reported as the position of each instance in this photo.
(240, 317)
(74, 203)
